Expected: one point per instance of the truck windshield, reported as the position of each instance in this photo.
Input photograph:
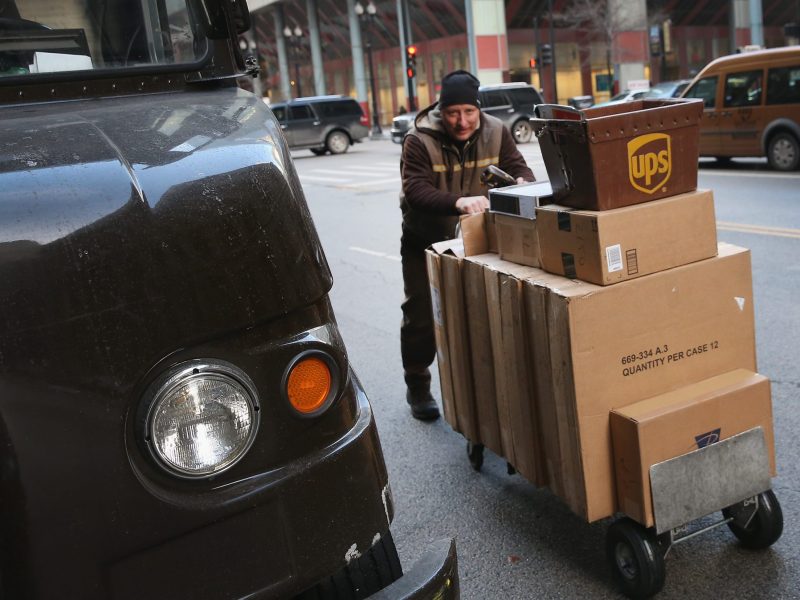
(45, 36)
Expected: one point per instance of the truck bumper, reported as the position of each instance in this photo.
(433, 577)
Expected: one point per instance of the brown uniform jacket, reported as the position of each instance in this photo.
(436, 171)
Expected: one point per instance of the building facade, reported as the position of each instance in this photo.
(312, 47)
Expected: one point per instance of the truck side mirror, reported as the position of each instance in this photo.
(222, 19)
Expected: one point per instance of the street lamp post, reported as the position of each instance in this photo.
(368, 17)
(295, 39)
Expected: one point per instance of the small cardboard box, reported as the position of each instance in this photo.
(517, 240)
(610, 246)
(621, 154)
(453, 345)
(673, 424)
(612, 346)
(478, 233)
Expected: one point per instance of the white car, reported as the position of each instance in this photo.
(625, 96)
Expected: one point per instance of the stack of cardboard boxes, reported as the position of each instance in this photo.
(609, 333)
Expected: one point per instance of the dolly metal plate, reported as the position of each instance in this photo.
(709, 479)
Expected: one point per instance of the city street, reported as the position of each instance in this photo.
(514, 540)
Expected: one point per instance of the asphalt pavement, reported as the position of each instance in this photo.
(514, 540)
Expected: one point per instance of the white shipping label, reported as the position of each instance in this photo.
(614, 258)
(436, 303)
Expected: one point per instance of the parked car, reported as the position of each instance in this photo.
(667, 89)
(401, 125)
(624, 96)
(512, 103)
(178, 415)
(322, 123)
(752, 106)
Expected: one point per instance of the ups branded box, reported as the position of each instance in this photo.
(613, 346)
(622, 154)
(678, 422)
(610, 246)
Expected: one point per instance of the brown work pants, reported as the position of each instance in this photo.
(417, 342)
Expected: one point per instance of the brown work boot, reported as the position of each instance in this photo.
(423, 406)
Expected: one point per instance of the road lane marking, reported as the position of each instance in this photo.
(373, 182)
(750, 174)
(721, 225)
(759, 229)
(326, 179)
(354, 171)
(375, 253)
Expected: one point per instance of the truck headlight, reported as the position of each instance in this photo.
(202, 418)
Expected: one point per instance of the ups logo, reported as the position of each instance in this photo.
(649, 161)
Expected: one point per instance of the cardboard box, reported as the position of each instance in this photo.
(515, 389)
(481, 357)
(451, 311)
(478, 234)
(621, 154)
(517, 240)
(612, 346)
(606, 247)
(673, 424)
(554, 446)
(438, 305)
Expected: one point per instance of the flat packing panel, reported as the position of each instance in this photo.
(706, 480)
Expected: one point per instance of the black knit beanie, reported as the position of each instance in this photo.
(459, 87)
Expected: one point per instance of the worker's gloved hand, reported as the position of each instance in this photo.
(472, 205)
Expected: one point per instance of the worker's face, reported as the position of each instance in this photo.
(461, 120)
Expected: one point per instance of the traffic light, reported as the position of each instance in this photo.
(546, 54)
(532, 63)
(411, 61)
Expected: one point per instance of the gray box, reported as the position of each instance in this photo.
(520, 200)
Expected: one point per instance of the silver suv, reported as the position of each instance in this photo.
(322, 123)
(512, 103)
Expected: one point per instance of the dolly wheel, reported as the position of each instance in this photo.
(475, 454)
(765, 526)
(636, 558)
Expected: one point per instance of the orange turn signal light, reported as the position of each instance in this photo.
(309, 384)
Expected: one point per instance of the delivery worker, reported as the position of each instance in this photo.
(441, 165)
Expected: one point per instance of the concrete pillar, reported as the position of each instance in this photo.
(631, 50)
(756, 23)
(316, 48)
(358, 57)
(283, 60)
(486, 32)
(739, 24)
